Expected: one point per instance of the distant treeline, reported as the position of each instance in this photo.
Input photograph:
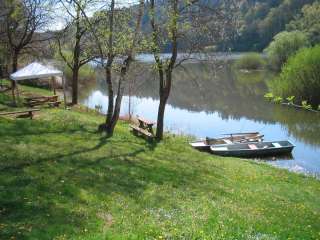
(262, 20)
(255, 24)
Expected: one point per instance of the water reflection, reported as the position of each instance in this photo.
(208, 100)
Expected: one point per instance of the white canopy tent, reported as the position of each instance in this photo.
(36, 70)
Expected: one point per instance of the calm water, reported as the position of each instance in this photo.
(210, 99)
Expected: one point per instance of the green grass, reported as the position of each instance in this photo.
(59, 179)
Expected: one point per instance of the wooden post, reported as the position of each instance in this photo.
(13, 87)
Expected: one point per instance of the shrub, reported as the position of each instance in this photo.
(300, 77)
(250, 61)
(284, 45)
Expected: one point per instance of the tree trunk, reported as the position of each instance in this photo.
(76, 59)
(164, 91)
(160, 120)
(75, 74)
(117, 107)
(15, 61)
(108, 125)
(120, 92)
(14, 69)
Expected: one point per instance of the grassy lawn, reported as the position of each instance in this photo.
(59, 179)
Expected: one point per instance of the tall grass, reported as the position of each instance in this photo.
(300, 77)
(250, 61)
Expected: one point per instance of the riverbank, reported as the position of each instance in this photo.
(61, 180)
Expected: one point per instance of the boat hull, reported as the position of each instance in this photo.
(204, 145)
(224, 150)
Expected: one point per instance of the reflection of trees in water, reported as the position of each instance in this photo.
(303, 125)
(232, 94)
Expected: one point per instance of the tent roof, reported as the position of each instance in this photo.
(35, 70)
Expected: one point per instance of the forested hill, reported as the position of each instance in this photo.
(263, 19)
(260, 21)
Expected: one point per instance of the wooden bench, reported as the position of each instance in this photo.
(54, 104)
(42, 100)
(140, 131)
(21, 114)
(39, 98)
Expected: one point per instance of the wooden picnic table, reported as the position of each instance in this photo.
(146, 124)
(144, 128)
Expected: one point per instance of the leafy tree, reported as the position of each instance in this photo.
(308, 22)
(127, 46)
(22, 20)
(284, 45)
(300, 77)
(76, 38)
(117, 36)
(191, 21)
(262, 20)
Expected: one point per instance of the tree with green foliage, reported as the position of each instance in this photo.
(300, 77)
(116, 32)
(308, 22)
(284, 45)
(22, 19)
(75, 38)
(189, 21)
(262, 20)
(127, 45)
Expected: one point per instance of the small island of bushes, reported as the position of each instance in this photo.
(300, 77)
(298, 66)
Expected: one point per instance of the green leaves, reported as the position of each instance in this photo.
(305, 105)
(308, 22)
(250, 61)
(290, 99)
(284, 45)
(277, 100)
(269, 96)
(300, 77)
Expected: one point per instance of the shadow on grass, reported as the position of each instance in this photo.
(60, 189)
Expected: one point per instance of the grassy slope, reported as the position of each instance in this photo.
(59, 179)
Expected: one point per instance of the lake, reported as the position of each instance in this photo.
(211, 98)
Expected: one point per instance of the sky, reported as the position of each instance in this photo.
(60, 13)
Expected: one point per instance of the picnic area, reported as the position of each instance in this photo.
(60, 179)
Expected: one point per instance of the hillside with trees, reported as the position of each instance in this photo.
(261, 20)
